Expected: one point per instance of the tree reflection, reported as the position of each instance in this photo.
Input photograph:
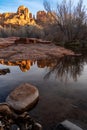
(66, 68)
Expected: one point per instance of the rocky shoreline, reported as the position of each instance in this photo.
(15, 110)
(16, 48)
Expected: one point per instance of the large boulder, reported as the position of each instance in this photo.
(23, 97)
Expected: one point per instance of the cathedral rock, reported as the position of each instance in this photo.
(22, 17)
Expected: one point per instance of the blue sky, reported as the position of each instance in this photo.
(33, 5)
(12, 5)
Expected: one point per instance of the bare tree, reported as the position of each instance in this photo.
(71, 20)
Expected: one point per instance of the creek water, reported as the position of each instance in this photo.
(62, 84)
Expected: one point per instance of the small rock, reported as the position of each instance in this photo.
(23, 97)
(4, 71)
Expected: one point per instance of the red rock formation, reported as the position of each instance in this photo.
(21, 17)
(41, 16)
(22, 11)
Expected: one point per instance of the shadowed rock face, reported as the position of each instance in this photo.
(45, 17)
(23, 97)
(41, 16)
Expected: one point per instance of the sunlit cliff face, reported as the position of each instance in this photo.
(22, 17)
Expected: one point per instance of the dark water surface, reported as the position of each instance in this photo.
(62, 84)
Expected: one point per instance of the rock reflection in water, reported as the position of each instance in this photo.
(25, 65)
(63, 68)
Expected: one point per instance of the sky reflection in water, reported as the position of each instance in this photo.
(67, 69)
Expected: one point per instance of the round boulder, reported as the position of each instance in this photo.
(23, 98)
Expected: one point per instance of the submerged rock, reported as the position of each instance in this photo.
(67, 125)
(23, 97)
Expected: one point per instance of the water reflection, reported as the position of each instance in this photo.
(25, 65)
(63, 68)
(67, 67)
(52, 92)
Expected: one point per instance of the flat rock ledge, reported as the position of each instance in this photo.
(23, 97)
(16, 48)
